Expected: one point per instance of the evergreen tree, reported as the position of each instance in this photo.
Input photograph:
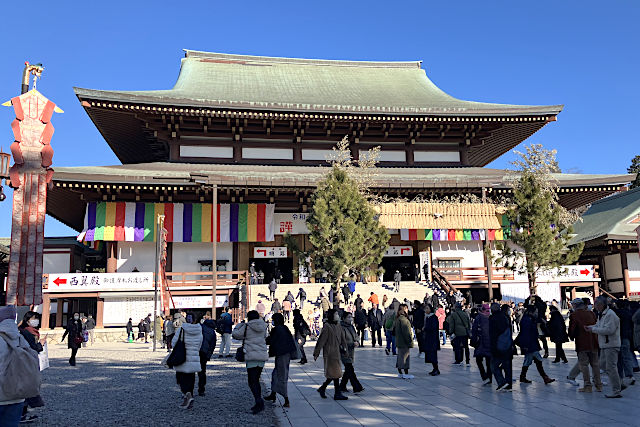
(541, 227)
(635, 168)
(344, 232)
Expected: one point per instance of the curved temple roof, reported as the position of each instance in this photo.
(267, 83)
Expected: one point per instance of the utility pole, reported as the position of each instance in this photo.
(214, 264)
(486, 246)
(159, 226)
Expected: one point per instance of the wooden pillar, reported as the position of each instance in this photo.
(46, 310)
(237, 152)
(169, 262)
(625, 273)
(112, 257)
(297, 153)
(60, 302)
(409, 151)
(100, 313)
(603, 271)
(573, 293)
(596, 291)
(464, 155)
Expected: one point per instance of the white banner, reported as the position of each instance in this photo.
(118, 310)
(424, 261)
(518, 292)
(399, 251)
(200, 301)
(270, 252)
(82, 282)
(292, 223)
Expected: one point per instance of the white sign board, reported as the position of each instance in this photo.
(270, 252)
(568, 273)
(399, 251)
(83, 282)
(292, 223)
(518, 292)
(199, 301)
(118, 310)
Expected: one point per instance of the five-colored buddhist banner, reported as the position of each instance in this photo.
(454, 235)
(185, 222)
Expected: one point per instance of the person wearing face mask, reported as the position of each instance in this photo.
(351, 337)
(75, 340)
(330, 341)
(29, 329)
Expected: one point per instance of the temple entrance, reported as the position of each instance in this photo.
(274, 267)
(404, 264)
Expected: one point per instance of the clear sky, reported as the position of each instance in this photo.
(583, 54)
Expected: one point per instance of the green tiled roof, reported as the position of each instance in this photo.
(608, 218)
(308, 85)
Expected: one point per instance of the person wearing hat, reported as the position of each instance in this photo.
(586, 344)
(481, 341)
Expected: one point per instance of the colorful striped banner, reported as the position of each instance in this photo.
(185, 222)
(453, 235)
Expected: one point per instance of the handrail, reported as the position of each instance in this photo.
(605, 292)
(443, 282)
(474, 273)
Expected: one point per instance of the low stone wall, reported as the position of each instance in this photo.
(101, 334)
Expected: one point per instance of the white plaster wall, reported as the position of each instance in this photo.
(470, 252)
(613, 267)
(186, 255)
(140, 255)
(56, 263)
(633, 262)
(436, 156)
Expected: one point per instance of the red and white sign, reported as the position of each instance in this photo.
(200, 301)
(82, 282)
(270, 252)
(399, 251)
(292, 223)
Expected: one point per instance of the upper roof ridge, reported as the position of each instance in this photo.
(251, 59)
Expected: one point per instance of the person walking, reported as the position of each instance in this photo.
(302, 297)
(481, 341)
(557, 330)
(541, 319)
(191, 335)
(361, 323)
(276, 307)
(374, 319)
(281, 345)
(397, 277)
(272, 289)
(346, 293)
(75, 338)
(373, 299)
(416, 273)
(348, 356)
(586, 344)
(253, 334)
(388, 320)
(225, 326)
(12, 397)
(358, 302)
(301, 331)
(90, 325)
(530, 346)
(260, 308)
(141, 330)
(442, 316)
(404, 341)
(417, 320)
(325, 305)
(147, 328)
(459, 329)
(330, 341)
(500, 336)
(431, 339)
(169, 331)
(129, 329)
(29, 329)
(207, 348)
(626, 358)
(608, 330)
(286, 309)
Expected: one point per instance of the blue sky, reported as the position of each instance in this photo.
(583, 54)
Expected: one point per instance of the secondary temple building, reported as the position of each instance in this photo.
(260, 129)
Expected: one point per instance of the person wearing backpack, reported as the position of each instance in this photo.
(481, 341)
(75, 340)
(191, 335)
(501, 348)
(206, 350)
(19, 367)
(387, 320)
(302, 295)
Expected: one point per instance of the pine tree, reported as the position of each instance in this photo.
(344, 232)
(540, 226)
(635, 168)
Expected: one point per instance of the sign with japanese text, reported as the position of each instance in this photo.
(270, 252)
(292, 223)
(200, 301)
(567, 273)
(399, 251)
(83, 282)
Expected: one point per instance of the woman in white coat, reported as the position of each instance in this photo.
(253, 334)
(186, 373)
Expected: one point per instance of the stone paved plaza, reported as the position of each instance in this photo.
(124, 384)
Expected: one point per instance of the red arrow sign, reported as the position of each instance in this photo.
(403, 250)
(585, 272)
(60, 281)
(264, 251)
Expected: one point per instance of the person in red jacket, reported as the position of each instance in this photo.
(586, 344)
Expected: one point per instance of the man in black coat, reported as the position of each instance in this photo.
(360, 319)
(359, 302)
(206, 350)
(500, 360)
(451, 299)
(418, 324)
(375, 324)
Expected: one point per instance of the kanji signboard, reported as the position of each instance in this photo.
(82, 282)
(270, 252)
(292, 223)
(399, 251)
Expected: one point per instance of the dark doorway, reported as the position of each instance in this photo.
(405, 264)
(84, 306)
(270, 266)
